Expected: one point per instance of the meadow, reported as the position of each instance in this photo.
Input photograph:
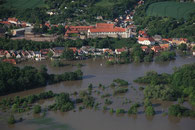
(171, 9)
(23, 4)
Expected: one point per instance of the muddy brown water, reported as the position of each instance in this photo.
(96, 71)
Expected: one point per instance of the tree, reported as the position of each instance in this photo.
(50, 54)
(150, 111)
(182, 47)
(36, 109)
(11, 119)
(133, 109)
(68, 54)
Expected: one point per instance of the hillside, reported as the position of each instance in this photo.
(23, 4)
(172, 9)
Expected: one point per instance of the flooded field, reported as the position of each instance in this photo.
(96, 71)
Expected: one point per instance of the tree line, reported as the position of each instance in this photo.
(14, 79)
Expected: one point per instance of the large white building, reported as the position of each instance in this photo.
(103, 30)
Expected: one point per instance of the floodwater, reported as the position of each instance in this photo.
(96, 71)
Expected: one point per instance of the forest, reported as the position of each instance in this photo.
(171, 87)
(14, 79)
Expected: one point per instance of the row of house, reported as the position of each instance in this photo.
(144, 39)
(16, 22)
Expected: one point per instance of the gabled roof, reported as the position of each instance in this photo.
(120, 50)
(144, 47)
(13, 19)
(104, 25)
(5, 22)
(117, 29)
(146, 39)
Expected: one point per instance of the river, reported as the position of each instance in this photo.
(96, 71)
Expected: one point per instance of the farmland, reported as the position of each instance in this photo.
(171, 9)
(23, 4)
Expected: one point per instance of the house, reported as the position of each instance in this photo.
(2, 53)
(193, 53)
(145, 48)
(18, 32)
(57, 51)
(103, 30)
(18, 56)
(13, 20)
(146, 41)
(179, 41)
(165, 46)
(119, 51)
(44, 51)
(169, 40)
(11, 61)
(13, 54)
(8, 55)
(37, 54)
(74, 49)
(30, 54)
(157, 38)
(142, 33)
(5, 23)
(156, 48)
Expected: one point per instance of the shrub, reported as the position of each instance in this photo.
(120, 111)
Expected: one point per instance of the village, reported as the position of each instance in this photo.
(121, 27)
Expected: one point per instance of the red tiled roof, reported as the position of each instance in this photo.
(142, 32)
(117, 29)
(11, 61)
(168, 40)
(144, 39)
(5, 22)
(183, 39)
(13, 19)
(47, 24)
(156, 48)
(121, 50)
(79, 28)
(164, 45)
(144, 47)
(71, 31)
(104, 25)
(74, 49)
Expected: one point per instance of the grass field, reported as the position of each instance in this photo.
(105, 3)
(172, 9)
(23, 4)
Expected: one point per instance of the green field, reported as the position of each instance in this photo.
(171, 9)
(105, 3)
(23, 4)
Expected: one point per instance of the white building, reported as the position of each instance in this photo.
(146, 41)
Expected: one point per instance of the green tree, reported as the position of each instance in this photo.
(36, 109)
(11, 119)
(68, 54)
(182, 47)
(150, 111)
